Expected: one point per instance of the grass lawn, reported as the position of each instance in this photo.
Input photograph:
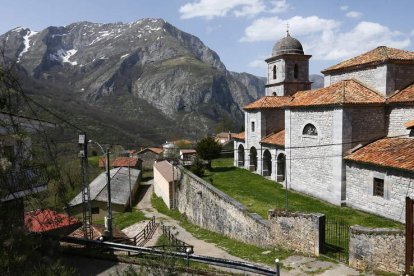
(233, 247)
(122, 220)
(259, 195)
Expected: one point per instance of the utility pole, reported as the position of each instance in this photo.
(86, 196)
(109, 206)
(129, 178)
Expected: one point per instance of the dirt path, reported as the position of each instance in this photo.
(298, 265)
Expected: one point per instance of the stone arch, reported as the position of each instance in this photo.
(240, 156)
(267, 163)
(281, 167)
(253, 159)
(310, 129)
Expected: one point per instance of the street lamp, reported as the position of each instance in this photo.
(108, 224)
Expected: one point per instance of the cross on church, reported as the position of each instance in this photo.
(287, 28)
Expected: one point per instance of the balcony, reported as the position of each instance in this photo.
(23, 182)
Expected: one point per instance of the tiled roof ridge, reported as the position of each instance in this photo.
(367, 87)
(397, 92)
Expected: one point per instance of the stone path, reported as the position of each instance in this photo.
(296, 265)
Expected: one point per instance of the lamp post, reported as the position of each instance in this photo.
(108, 224)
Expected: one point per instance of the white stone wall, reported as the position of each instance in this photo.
(373, 77)
(359, 192)
(314, 163)
(237, 143)
(274, 151)
(397, 116)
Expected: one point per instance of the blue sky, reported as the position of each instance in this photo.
(243, 32)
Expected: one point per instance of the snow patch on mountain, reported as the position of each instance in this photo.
(64, 56)
(26, 41)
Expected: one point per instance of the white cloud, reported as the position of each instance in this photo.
(273, 28)
(354, 14)
(210, 9)
(258, 63)
(323, 38)
(218, 8)
(344, 8)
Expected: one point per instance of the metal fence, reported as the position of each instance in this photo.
(336, 243)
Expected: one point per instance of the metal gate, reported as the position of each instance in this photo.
(336, 245)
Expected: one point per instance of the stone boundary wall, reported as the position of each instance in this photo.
(210, 208)
(303, 232)
(377, 249)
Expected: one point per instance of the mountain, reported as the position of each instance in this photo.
(317, 81)
(140, 82)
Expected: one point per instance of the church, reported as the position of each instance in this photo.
(349, 143)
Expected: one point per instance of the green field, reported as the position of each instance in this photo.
(259, 195)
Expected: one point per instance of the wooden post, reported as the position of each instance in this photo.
(408, 235)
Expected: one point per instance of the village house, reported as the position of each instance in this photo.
(345, 143)
(124, 185)
(165, 178)
(187, 156)
(149, 156)
(224, 137)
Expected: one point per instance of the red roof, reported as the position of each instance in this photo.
(155, 150)
(378, 55)
(277, 138)
(269, 102)
(45, 220)
(403, 96)
(239, 136)
(344, 92)
(123, 162)
(387, 152)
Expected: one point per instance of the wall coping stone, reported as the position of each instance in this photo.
(281, 213)
(357, 229)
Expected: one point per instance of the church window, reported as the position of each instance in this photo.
(295, 71)
(274, 72)
(274, 94)
(310, 129)
(378, 187)
(252, 126)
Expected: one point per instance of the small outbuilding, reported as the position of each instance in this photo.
(49, 222)
(124, 184)
(165, 179)
(149, 156)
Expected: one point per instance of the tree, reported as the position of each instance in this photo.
(197, 167)
(208, 149)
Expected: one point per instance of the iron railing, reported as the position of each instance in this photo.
(174, 243)
(336, 243)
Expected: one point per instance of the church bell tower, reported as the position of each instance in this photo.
(287, 68)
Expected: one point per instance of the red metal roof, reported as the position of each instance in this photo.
(45, 220)
(378, 55)
(387, 152)
(344, 92)
(123, 162)
(277, 138)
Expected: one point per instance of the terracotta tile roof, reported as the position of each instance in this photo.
(239, 136)
(45, 220)
(343, 92)
(277, 138)
(378, 55)
(387, 152)
(269, 102)
(409, 124)
(156, 150)
(123, 162)
(403, 96)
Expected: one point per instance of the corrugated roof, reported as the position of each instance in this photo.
(404, 96)
(167, 171)
(240, 136)
(378, 55)
(119, 186)
(45, 220)
(387, 152)
(343, 92)
(269, 102)
(277, 138)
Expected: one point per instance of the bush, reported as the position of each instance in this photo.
(197, 167)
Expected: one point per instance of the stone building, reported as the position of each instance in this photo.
(345, 143)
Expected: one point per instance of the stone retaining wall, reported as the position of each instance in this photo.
(210, 208)
(377, 249)
(301, 232)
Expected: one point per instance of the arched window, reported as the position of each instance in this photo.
(310, 129)
(295, 71)
(274, 94)
(274, 72)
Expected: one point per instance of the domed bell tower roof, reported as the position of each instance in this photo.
(287, 45)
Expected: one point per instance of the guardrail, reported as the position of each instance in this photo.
(242, 266)
(142, 237)
(179, 245)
